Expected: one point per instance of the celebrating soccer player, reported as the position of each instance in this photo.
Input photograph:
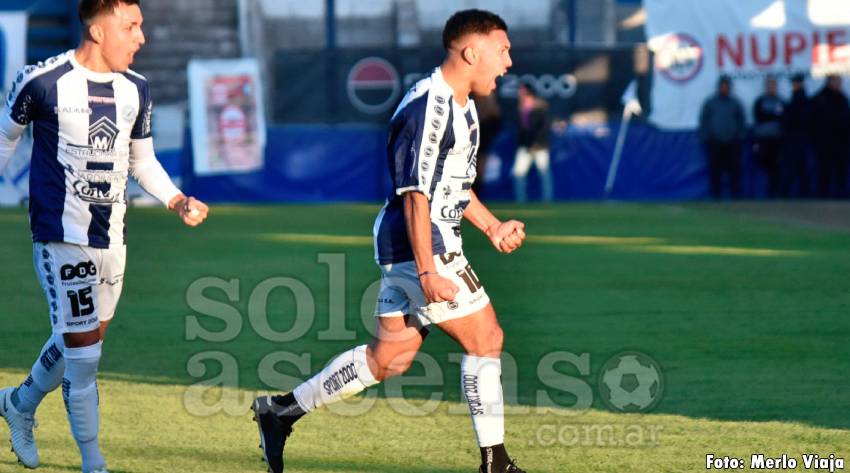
(91, 119)
(426, 278)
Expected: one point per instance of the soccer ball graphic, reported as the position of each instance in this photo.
(631, 382)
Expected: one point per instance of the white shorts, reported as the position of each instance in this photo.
(401, 293)
(82, 284)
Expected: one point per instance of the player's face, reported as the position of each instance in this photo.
(122, 36)
(494, 61)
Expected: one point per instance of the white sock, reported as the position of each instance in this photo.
(45, 376)
(79, 389)
(345, 376)
(481, 381)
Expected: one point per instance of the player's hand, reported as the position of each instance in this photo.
(437, 288)
(191, 210)
(507, 236)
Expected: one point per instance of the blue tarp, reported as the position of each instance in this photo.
(348, 163)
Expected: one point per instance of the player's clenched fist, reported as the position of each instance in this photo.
(507, 236)
(191, 210)
(437, 288)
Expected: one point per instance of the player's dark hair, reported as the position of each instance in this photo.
(472, 21)
(89, 9)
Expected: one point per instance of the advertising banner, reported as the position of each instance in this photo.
(227, 116)
(695, 41)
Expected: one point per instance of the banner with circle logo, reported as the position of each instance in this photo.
(695, 41)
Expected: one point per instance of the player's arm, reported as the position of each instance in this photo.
(20, 111)
(10, 136)
(505, 236)
(413, 174)
(146, 169)
(417, 216)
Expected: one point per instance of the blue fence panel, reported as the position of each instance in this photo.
(346, 163)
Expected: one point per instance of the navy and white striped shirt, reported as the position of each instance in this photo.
(83, 125)
(432, 149)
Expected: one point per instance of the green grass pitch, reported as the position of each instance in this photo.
(745, 308)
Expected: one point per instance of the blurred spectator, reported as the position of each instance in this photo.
(722, 129)
(489, 123)
(796, 138)
(831, 120)
(767, 131)
(532, 144)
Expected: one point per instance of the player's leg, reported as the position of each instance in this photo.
(519, 171)
(480, 336)
(89, 304)
(541, 161)
(79, 391)
(397, 339)
(18, 405)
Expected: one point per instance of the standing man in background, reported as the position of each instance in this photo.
(532, 144)
(722, 129)
(796, 139)
(831, 133)
(91, 118)
(768, 110)
(490, 124)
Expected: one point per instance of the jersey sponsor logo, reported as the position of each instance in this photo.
(96, 186)
(452, 214)
(146, 120)
(23, 109)
(101, 100)
(81, 270)
(72, 110)
(129, 113)
(95, 192)
(102, 134)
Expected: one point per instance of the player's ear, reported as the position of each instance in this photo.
(95, 32)
(469, 55)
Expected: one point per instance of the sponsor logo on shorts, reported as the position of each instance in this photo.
(82, 270)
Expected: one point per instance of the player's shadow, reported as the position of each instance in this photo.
(319, 464)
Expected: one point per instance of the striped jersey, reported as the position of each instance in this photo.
(431, 149)
(83, 124)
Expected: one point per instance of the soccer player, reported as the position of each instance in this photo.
(91, 119)
(426, 278)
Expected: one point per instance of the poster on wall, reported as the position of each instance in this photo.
(13, 53)
(695, 41)
(13, 46)
(227, 116)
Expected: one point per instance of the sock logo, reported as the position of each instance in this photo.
(338, 380)
(50, 357)
(473, 398)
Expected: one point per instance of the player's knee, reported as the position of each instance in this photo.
(84, 339)
(487, 342)
(390, 366)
